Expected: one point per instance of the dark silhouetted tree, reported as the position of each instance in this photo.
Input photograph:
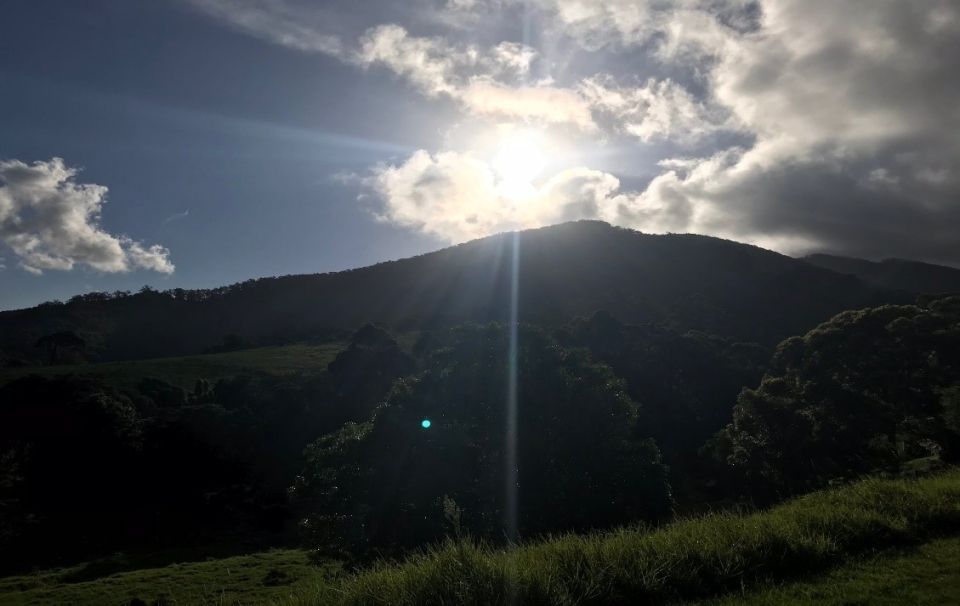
(864, 392)
(58, 342)
(381, 486)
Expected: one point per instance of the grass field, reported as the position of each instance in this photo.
(184, 371)
(687, 560)
(261, 578)
(875, 542)
(925, 576)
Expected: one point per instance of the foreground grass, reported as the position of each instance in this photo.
(926, 576)
(688, 560)
(836, 537)
(184, 371)
(261, 578)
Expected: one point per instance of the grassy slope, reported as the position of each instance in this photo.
(185, 371)
(688, 560)
(260, 578)
(926, 576)
(691, 559)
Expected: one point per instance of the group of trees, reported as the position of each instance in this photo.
(390, 448)
(865, 392)
(87, 468)
(574, 458)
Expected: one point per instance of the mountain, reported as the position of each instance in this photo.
(901, 274)
(689, 281)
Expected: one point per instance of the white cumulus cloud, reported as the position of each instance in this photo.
(51, 222)
(457, 197)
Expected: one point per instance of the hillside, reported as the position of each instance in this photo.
(693, 282)
(185, 371)
(897, 274)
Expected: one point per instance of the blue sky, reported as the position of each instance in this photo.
(246, 138)
(212, 143)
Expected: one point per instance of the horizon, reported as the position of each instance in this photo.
(480, 238)
(490, 236)
(204, 142)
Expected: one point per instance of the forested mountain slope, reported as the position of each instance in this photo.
(900, 274)
(690, 281)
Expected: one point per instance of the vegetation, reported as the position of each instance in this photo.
(580, 462)
(686, 560)
(685, 384)
(372, 448)
(869, 390)
(155, 466)
(923, 576)
(873, 541)
(184, 372)
(95, 468)
(690, 282)
(261, 578)
(899, 274)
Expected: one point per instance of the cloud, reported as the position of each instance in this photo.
(275, 21)
(546, 104)
(490, 82)
(485, 82)
(690, 29)
(429, 63)
(457, 197)
(842, 115)
(854, 106)
(656, 110)
(51, 222)
(448, 195)
(176, 217)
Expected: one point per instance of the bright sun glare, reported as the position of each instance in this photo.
(519, 160)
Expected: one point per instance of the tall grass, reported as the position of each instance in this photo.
(685, 560)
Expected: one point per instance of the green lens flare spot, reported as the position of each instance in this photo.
(425, 423)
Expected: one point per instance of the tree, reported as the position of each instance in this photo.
(687, 383)
(383, 485)
(866, 391)
(363, 373)
(58, 342)
(66, 444)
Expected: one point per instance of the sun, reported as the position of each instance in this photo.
(518, 161)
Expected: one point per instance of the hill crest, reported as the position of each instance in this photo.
(689, 281)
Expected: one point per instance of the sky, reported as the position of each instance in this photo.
(197, 143)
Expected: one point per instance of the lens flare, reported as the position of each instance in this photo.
(511, 511)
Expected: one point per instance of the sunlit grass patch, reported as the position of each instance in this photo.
(184, 371)
(687, 560)
(925, 576)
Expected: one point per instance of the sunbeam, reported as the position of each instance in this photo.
(510, 475)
